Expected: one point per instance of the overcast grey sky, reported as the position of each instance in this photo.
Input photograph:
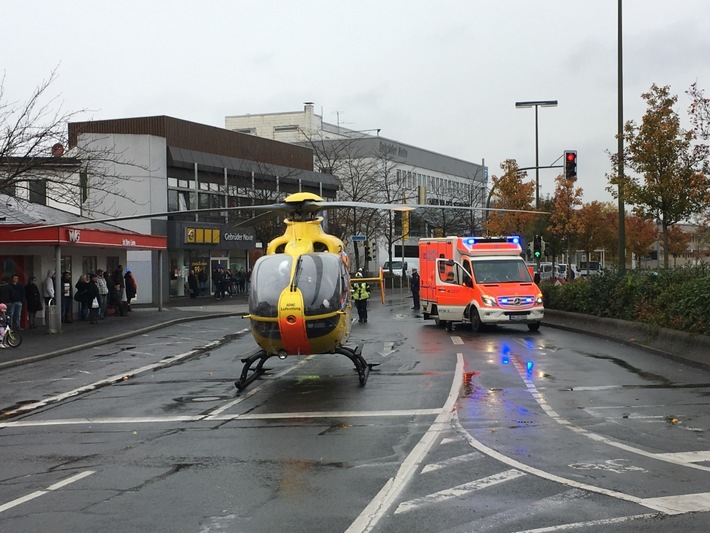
(442, 75)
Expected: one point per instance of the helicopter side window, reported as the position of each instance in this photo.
(319, 282)
(270, 276)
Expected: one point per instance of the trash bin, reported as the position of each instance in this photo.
(51, 317)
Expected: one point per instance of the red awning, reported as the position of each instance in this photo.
(79, 236)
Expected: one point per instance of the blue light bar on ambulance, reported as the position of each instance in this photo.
(524, 300)
(470, 241)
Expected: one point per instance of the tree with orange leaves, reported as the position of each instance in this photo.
(671, 185)
(509, 192)
(678, 241)
(565, 221)
(641, 234)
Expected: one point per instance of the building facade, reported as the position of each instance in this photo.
(171, 165)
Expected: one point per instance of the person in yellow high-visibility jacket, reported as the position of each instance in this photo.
(360, 294)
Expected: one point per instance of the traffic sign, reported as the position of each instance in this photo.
(358, 238)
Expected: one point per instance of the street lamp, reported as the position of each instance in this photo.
(536, 104)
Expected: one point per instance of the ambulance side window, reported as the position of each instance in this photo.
(467, 277)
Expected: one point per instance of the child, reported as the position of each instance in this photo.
(3, 324)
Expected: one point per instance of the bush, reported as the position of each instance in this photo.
(673, 298)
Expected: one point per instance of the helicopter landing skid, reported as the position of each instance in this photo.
(361, 366)
(245, 379)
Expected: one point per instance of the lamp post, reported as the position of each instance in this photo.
(536, 104)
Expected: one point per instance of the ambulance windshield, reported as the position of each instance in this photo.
(501, 271)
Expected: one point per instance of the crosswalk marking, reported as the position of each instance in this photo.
(460, 490)
(451, 462)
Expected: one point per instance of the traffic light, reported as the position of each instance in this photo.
(537, 246)
(570, 164)
(368, 255)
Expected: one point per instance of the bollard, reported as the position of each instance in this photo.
(51, 317)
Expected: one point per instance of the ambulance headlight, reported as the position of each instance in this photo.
(488, 300)
(538, 300)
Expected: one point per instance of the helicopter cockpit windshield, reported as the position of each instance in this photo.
(320, 279)
(270, 277)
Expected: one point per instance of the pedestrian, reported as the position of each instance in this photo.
(242, 280)
(48, 287)
(17, 297)
(361, 293)
(131, 288)
(414, 287)
(114, 300)
(218, 280)
(192, 284)
(92, 296)
(3, 324)
(67, 300)
(34, 301)
(118, 279)
(103, 293)
(202, 280)
(82, 296)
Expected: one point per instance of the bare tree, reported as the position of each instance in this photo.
(35, 163)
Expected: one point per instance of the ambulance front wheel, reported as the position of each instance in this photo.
(534, 326)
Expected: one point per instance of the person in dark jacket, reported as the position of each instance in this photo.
(82, 296)
(192, 284)
(17, 298)
(414, 286)
(131, 288)
(34, 301)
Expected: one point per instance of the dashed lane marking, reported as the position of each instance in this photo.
(38, 493)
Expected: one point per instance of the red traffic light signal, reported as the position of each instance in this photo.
(570, 164)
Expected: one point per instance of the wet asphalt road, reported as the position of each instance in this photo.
(495, 431)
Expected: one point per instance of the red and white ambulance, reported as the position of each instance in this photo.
(477, 281)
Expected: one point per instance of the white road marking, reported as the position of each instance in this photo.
(590, 523)
(684, 503)
(687, 457)
(236, 416)
(475, 443)
(593, 436)
(457, 340)
(103, 382)
(458, 491)
(451, 462)
(56, 486)
(377, 508)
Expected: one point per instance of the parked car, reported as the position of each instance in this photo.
(590, 268)
(546, 271)
(575, 270)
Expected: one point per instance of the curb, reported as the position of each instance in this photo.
(670, 343)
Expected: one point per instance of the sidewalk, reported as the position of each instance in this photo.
(37, 344)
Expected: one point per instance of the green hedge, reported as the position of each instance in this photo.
(674, 298)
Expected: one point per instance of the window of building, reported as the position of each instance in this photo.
(88, 264)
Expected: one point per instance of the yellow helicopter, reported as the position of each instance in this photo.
(299, 300)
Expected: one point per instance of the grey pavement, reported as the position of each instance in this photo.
(37, 344)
